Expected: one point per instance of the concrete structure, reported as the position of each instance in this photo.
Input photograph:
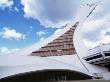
(99, 55)
(63, 57)
(63, 45)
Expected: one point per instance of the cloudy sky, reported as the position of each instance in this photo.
(24, 22)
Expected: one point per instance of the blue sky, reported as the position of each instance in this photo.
(24, 22)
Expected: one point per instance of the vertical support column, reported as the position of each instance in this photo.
(101, 50)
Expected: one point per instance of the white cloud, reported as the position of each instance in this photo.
(58, 30)
(5, 50)
(92, 25)
(11, 34)
(6, 4)
(94, 31)
(41, 33)
(42, 38)
(96, 27)
(51, 13)
(90, 44)
(16, 9)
